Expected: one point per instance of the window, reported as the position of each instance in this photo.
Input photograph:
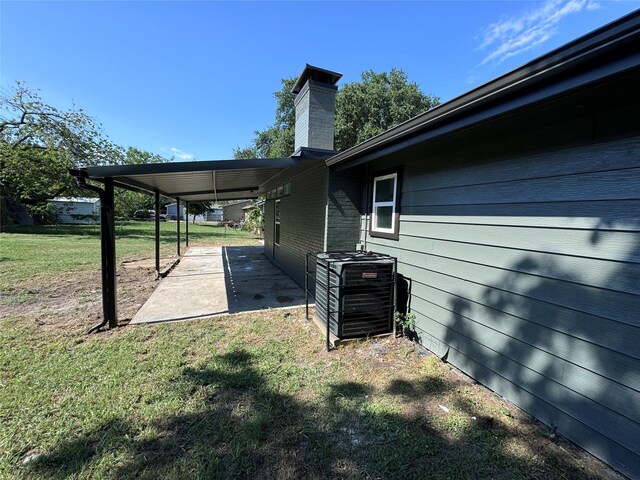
(277, 223)
(385, 214)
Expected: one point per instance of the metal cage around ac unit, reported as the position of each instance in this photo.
(355, 292)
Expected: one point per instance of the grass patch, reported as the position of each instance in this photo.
(197, 400)
(29, 255)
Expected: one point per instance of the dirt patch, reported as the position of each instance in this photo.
(148, 263)
(73, 301)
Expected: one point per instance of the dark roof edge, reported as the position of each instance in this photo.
(313, 153)
(581, 49)
(110, 171)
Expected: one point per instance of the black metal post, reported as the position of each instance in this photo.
(108, 235)
(306, 285)
(186, 225)
(157, 193)
(328, 305)
(178, 221)
(395, 294)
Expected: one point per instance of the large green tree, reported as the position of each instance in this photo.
(126, 201)
(378, 102)
(38, 143)
(365, 108)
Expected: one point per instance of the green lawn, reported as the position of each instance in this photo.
(29, 255)
(248, 396)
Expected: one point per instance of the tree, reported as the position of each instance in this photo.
(377, 102)
(198, 208)
(127, 202)
(255, 220)
(38, 143)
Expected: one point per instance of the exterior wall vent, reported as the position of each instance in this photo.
(355, 293)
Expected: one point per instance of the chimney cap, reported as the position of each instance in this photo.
(317, 74)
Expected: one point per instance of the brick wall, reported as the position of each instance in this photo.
(301, 219)
(344, 210)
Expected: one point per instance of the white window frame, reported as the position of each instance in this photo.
(393, 204)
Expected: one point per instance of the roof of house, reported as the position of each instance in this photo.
(74, 199)
(237, 202)
(601, 54)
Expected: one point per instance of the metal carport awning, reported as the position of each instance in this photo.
(194, 181)
(185, 181)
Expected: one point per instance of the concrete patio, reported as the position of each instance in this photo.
(212, 281)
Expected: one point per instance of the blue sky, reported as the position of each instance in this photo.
(195, 79)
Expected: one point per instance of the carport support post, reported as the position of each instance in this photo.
(157, 194)
(108, 237)
(186, 225)
(178, 221)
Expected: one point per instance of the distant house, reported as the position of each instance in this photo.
(215, 214)
(76, 209)
(234, 211)
(259, 204)
(172, 211)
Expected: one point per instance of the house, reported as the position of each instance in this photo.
(76, 209)
(215, 214)
(172, 210)
(246, 208)
(234, 211)
(514, 213)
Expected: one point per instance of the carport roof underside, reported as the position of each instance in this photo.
(194, 181)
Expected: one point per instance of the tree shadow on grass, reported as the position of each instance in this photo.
(247, 428)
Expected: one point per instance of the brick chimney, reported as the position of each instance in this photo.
(315, 104)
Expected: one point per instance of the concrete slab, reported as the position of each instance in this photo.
(212, 281)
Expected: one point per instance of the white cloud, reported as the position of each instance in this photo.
(510, 36)
(180, 154)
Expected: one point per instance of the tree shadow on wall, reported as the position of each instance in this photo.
(564, 344)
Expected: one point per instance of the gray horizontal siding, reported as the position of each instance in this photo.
(602, 157)
(595, 272)
(504, 305)
(611, 185)
(562, 357)
(522, 278)
(527, 270)
(516, 382)
(519, 362)
(617, 214)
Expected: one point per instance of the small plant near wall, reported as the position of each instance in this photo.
(407, 324)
